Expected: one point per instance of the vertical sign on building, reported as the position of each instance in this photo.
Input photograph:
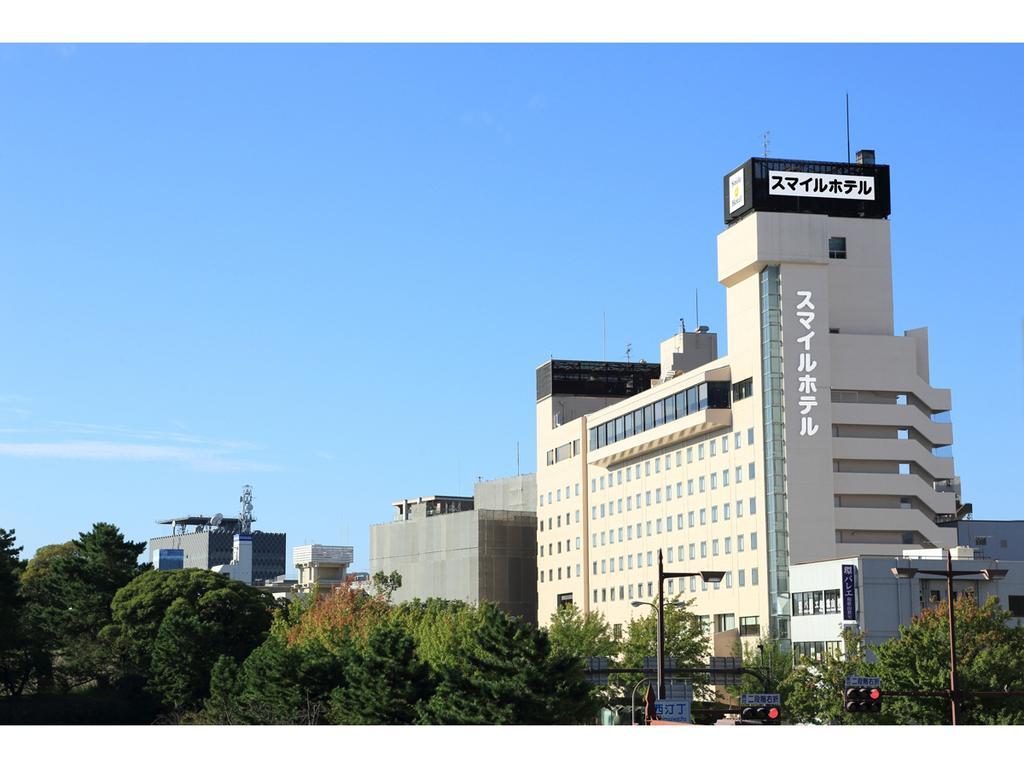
(736, 191)
(849, 593)
(807, 382)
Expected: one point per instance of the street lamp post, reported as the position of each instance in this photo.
(991, 574)
(711, 577)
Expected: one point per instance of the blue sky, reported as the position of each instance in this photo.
(330, 271)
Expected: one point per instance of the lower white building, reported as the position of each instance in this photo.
(862, 593)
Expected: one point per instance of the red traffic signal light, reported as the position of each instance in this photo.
(764, 715)
(857, 700)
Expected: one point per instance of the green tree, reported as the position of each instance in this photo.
(386, 584)
(767, 657)
(221, 706)
(573, 634)
(16, 662)
(815, 687)
(386, 681)
(990, 657)
(686, 640)
(68, 589)
(170, 627)
(498, 669)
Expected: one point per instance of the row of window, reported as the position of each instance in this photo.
(646, 499)
(563, 452)
(654, 527)
(551, 520)
(673, 554)
(553, 571)
(816, 603)
(626, 591)
(708, 394)
(615, 477)
(816, 649)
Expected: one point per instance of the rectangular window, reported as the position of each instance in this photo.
(577, 489)
(657, 465)
(629, 474)
(593, 540)
(714, 547)
(595, 567)
(739, 507)
(703, 516)
(743, 581)
(700, 452)
(753, 507)
(668, 524)
(714, 513)
(737, 442)
(679, 489)
(647, 469)
(648, 527)
(593, 485)
(650, 559)
(618, 477)
(670, 412)
(601, 480)
(689, 455)
(700, 483)
(668, 493)
(629, 533)
(542, 500)
(714, 481)
(657, 525)
(659, 413)
(711, 448)
(629, 503)
(750, 476)
(647, 498)
(630, 595)
(639, 533)
(693, 583)
(753, 577)
(593, 512)
(679, 521)
(657, 495)
(750, 435)
(725, 478)
(689, 519)
(620, 506)
(837, 247)
(739, 543)
(578, 542)
(602, 538)
(739, 474)
(689, 487)
(728, 579)
(680, 553)
(728, 545)
(620, 535)
(753, 541)
(558, 495)
(602, 510)
(670, 554)
(693, 551)
(629, 562)
(679, 458)
(542, 577)
(703, 549)
(638, 501)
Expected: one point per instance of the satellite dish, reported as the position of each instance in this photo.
(216, 520)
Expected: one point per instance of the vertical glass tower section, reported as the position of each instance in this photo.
(774, 454)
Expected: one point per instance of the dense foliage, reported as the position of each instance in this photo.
(88, 635)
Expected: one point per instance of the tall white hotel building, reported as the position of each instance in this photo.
(818, 436)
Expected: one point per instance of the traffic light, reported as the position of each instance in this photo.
(857, 700)
(766, 715)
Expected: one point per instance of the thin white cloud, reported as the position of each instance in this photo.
(99, 450)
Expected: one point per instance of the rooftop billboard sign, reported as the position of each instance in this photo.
(804, 186)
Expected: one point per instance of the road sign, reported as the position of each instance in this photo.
(725, 670)
(760, 699)
(674, 710)
(856, 681)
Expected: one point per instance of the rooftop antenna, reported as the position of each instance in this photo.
(765, 141)
(245, 517)
(629, 350)
(682, 333)
(847, 126)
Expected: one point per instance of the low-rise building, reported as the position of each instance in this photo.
(478, 548)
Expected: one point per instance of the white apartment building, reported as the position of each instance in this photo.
(817, 436)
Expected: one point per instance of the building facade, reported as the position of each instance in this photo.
(862, 593)
(479, 548)
(321, 565)
(818, 435)
(213, 542)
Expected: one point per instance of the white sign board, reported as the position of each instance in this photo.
(675, 710)
(772, 699)
(800, 184)
(856, 681)
(736, 192)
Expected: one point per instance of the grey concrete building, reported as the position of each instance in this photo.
(208, 542)
(472, 548)
(998, 539)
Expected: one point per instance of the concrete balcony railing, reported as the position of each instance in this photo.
(903, 451)
(898, 416)
(889, 519)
